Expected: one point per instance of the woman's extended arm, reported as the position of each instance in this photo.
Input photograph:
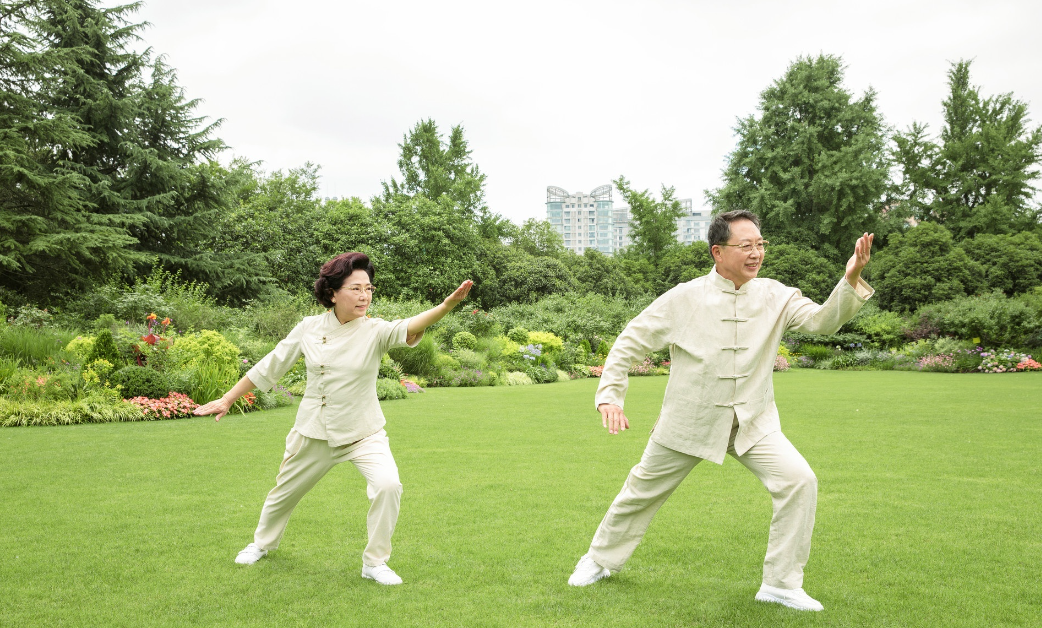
(420, 322)
(224, 404)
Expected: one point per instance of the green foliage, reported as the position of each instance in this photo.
(574, 316)
(32, 347)
(541, 374)
(518, 335)
(389, 369)
(98, 407)
(419, 360)
(885, 329)
(104, 348)
(800, 267)
(923, 266)
(80, 347)
(387, 389)
(515, 378)
(274, 319)
(551, 343)
(140, 381)
(29, 316)
(1012, 263)
(607, 274)
(205, 347)
(469, 359)
(652, 223)
(685, 262)
(814, 165)
(994, 318)
(464, 340)
(978, 179)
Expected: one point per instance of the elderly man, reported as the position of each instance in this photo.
(723, 331)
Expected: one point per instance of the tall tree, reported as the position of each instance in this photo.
(813, 166)
(653, 224)
(47, 227)
(146, 183)
(439, 170)
(978, 180)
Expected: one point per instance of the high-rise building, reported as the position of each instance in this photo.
(584, 220)
(591, 221)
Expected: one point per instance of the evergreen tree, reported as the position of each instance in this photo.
(813, 165)
(146, 191)
(50, 240)
(979, 178)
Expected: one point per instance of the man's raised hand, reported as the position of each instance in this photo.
(857, 261)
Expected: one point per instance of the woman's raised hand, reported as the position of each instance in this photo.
(459, 294)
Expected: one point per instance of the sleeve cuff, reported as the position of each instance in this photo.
(262, 382)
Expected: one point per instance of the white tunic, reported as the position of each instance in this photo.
(722, 346)
(343, 361)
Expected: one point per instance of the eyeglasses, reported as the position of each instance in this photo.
(761, 246)
(358, 290)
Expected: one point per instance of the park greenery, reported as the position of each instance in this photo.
(135, 265)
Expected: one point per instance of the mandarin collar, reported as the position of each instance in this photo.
(726, 285)
(331, 325)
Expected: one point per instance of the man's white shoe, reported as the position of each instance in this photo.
(381, 573)
(793, 598)
(250, 555)
(587, 572)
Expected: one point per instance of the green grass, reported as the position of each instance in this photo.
(930, 488)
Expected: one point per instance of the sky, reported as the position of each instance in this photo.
(565, 93)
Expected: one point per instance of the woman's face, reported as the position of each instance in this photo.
(353, 298)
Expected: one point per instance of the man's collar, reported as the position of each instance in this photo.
(726, 285)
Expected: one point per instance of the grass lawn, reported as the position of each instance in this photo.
(930, 496)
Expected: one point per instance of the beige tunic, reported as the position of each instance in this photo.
(343, 361)
(722, 346)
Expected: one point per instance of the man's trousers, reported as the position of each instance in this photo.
(305, 462)
(774, 460)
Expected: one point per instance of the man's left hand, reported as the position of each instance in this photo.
(857, 261)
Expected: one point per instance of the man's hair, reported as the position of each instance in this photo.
(720, 228)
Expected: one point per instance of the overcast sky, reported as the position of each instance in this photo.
(562, 93)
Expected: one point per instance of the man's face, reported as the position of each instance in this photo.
(733, 263)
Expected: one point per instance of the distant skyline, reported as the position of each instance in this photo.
(571, 94)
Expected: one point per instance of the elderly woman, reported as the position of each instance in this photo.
(339, 418)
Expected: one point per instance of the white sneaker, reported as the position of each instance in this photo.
(793, 598)
(382, 574)
(587, 572)
(250, 555)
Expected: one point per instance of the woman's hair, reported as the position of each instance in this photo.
(335, 271)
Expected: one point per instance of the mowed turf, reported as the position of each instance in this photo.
(930, 495)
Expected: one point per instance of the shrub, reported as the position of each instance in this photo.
(817, 352)
(541, 374)
(464, 340)
(994, 318)
(780, 363)
(390, 389)
(105, 321)
(563, 376)
(516, 378)
(646, 367)
(419, 360)
(104, 348)
(885, 329)
(518, 335)
(389, 369)
(550, 343)
(203, 347)
(29, 316)
(140, 381)
(470, 359)
(444, 363)
(275, 319)
(80, 347)
(467, 377)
